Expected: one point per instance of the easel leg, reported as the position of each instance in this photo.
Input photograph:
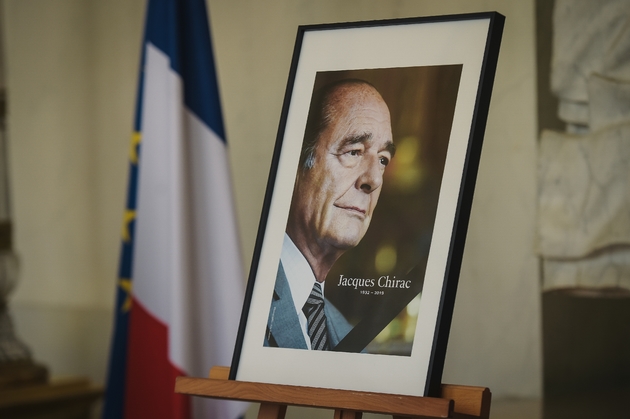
(347, 414)
(272, 411)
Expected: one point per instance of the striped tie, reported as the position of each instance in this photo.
(314, 312)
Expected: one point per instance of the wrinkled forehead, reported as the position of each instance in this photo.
(351, 98)
(359, 112)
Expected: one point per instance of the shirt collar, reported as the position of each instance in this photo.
(299, 273)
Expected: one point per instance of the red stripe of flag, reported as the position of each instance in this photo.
(150, 383)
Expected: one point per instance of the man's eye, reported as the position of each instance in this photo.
(384, 161)
(354, 152)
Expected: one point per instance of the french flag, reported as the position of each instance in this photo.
(180, 289)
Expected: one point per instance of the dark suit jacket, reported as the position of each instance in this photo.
(283, 326)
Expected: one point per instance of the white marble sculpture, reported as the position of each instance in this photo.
(584, 173)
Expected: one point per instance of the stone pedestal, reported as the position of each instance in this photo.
(21, 373)
(72, 398)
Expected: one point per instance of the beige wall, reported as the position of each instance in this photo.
(72, 70)
(71, 75)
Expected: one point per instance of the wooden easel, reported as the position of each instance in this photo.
(457, 402)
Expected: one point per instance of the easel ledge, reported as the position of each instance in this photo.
(457, 402)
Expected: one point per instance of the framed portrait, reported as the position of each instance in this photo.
(359, 247)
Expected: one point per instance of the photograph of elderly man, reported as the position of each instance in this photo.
(350, 276)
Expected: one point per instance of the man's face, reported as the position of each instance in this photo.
(334, 200)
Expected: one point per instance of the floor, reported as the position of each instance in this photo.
(613, 404)
(501, 409)
(516, 409)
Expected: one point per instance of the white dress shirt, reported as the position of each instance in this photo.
(301, 280)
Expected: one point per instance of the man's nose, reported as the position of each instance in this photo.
(371, 176)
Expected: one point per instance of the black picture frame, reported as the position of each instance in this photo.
(435, 74)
